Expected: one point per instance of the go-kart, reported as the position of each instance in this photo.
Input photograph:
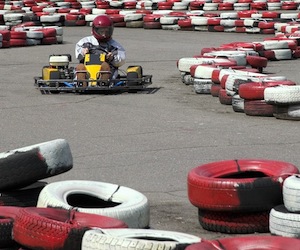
(59, 77)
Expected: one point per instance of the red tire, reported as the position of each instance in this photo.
(238, 185)
(151, 25)
(17, 42)
(215, 89)
(18, 34)
(234, 222)
(258, 62)
(258, 108)
(265, 242)
(224, 98)
(52, 228)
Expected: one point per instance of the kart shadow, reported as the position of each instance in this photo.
(118, 92)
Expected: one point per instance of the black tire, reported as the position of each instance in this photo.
(24, 197)
(234, 222)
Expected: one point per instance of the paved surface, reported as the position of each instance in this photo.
(148, 142)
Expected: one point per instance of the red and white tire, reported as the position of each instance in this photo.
(35, 162)
(109, 199)
(255, 90)
(282, 95)
(236, 185)
(54, 228)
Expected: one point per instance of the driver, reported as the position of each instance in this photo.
(102, 30)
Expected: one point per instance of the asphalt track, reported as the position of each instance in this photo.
(150, 140)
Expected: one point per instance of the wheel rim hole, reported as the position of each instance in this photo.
(88, 201)
(245, 174)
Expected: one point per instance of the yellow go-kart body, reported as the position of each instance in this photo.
(92, 64)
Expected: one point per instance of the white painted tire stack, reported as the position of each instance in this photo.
(285, 218)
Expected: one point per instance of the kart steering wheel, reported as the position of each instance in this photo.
(93, 48)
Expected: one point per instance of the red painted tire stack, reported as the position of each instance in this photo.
(17, 38)
(236, 196)
(5, 38)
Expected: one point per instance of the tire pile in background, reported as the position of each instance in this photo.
(234, 73)
(33, 19)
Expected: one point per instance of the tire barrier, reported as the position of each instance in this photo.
(93, 197)
(260, 94)
(249, 18)
(24, 166)
(135, 239)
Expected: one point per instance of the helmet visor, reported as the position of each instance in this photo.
(103, 31)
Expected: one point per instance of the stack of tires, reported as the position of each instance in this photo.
(73, 214)
(286, 101)
(285, 218)
(236, 196)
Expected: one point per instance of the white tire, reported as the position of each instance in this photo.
(97, 11)
(291, 193)
(50, 18)
(129, 205)
(275, 44)
(185, 63)
(284, 223)
(283, 54)
(204, 71)
(202, 86)
(282, 95)
(133, 17)
(90, 17)
(100, 239)
(34, 34)
(198, 20)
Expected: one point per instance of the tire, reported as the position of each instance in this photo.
(224, 98)
(24, 166)
(284, 223)
(282, 95)
(238, 185)
(234, 223)
(266, 242)
(93, 197)
(53, 228)
(202, 86)
(255, 90)
(287, 112)
(291, 198)
(23, 197)
(258, 108)
(237, 103)
(118, 239)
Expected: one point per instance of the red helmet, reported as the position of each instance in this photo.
(102, 28)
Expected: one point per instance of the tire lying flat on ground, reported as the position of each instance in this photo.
(102, 198)
(238, 185)
(118, 239)
(24, 166)
(53, 228)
